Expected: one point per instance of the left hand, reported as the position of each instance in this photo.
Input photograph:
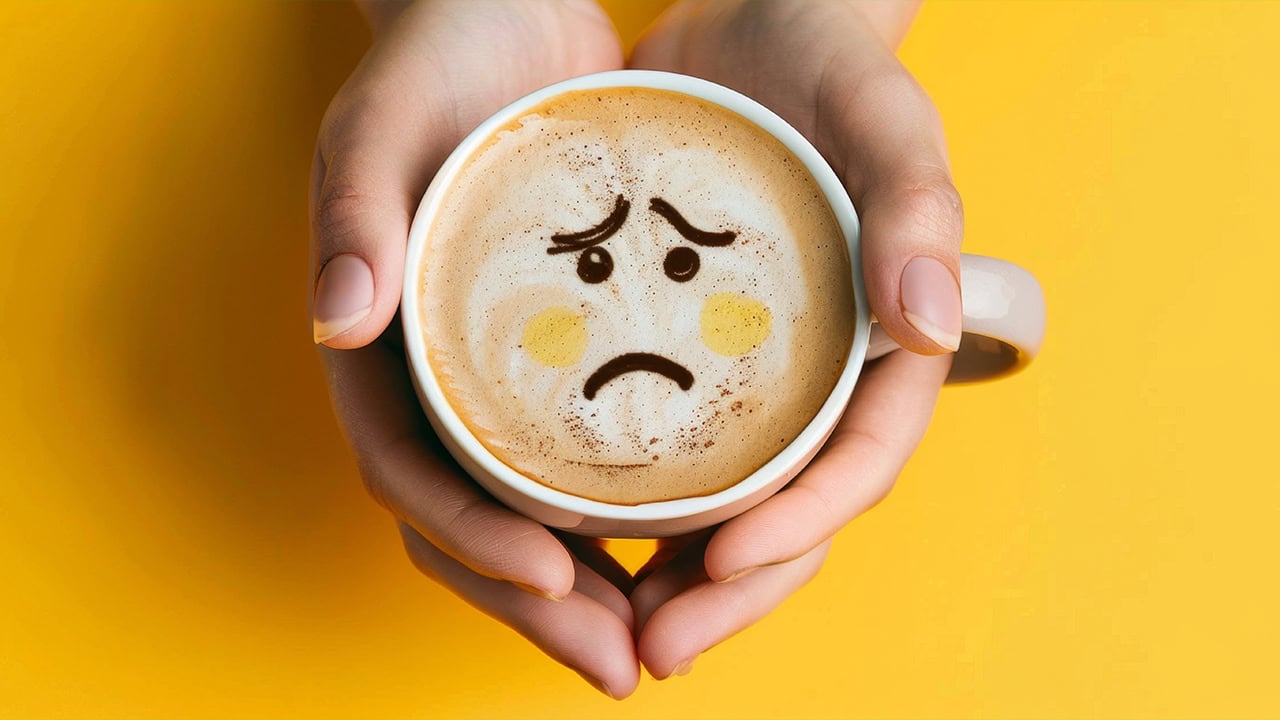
(827, 68)
(436, 69)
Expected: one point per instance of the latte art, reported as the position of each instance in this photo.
(634, 295)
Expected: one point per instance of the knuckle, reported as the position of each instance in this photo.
(887, 84)
(468, 527)
(494, 552)
(889, 79)
(816, 559)
(504, 548)
(465, 531)
(877, 485)
(538, 623)
(342, 210)
(821, 512)
(932, 204)
(377, 462)
(422, 555)
(373, 481)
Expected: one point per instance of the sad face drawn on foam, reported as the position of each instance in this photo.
(681, 264)
(644, 311)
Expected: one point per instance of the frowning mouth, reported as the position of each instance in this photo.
(636, 362)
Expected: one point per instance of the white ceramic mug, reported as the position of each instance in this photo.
(1003, 328)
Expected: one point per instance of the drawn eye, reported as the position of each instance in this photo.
(595, 265)
(681, 264)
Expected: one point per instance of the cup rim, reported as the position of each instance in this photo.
(815, 431)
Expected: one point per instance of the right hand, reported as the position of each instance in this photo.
(831, 73)
(433, 74)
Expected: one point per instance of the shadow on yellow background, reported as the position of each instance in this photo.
(182, 532)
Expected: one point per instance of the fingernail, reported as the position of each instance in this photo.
(683, 668)
(545, 594)
(741, 573)
(931, 301)
(344, 296)
(597, 684)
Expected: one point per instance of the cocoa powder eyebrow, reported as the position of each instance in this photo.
(690, 233)
(570, 242)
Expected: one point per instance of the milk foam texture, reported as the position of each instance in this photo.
(564, 168)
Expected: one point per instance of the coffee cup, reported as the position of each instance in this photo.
(633, 305)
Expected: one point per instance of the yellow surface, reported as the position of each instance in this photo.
(182, 533)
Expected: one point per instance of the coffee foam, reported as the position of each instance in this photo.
(777, 300)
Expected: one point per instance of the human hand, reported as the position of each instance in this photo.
(827, 68)
(434, 73)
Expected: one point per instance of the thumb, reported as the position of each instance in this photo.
(890, 139)
(912, 230)
(362, 204)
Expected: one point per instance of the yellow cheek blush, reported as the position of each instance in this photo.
(555, 337)
(734, 324)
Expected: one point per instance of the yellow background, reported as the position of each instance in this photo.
(182, 533)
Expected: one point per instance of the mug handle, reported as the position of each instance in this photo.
(1004, 320)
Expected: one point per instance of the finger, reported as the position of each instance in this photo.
(581, 633)
(682, 569)
(373, 163)
(407, 471)
(370, 173)
(885, 138)
(857, 468)
(708, 613)
(604, 591)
